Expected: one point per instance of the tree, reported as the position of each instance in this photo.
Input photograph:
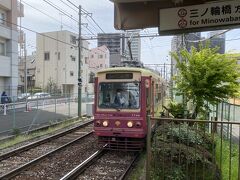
(206, 76)
(52, 87)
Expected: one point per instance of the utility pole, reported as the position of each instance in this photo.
(79, 64)
(25, 65)
(183, 96)
(171, 79)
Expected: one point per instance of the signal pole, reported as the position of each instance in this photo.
(79, 64)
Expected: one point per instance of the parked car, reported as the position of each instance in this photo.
(41, 95)
(23, 96)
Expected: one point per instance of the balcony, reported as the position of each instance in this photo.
(5, 68)
(20, 9)
(5, 32)
(6, 4)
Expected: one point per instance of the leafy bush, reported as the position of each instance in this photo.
(182, 150)
(176, 109)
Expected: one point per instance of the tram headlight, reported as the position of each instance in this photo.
(130, 124)
(105, 123)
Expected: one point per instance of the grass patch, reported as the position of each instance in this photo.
(226, 158)
(25, 137)
(138, 171)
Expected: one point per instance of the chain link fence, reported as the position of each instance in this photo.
(31, 112)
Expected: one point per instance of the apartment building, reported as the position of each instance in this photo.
(10, 10)
(115, 43)
(57, 61)
(99, 59)
(31, 72)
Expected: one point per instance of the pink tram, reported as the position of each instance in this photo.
(124, 96)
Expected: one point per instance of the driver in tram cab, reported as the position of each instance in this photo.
(120, 100)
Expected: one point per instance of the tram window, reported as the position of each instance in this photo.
(119, 95)
(119, 76)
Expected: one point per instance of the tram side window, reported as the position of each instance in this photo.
(119, 95)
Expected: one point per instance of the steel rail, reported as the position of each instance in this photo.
(40, 142)
(17, 171)
(124, 175)
(84, 165)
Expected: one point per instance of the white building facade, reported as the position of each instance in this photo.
(57, 61)
(10, 10)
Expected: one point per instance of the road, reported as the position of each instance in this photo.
(37, 116)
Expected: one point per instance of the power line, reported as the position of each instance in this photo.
(41, 34)
(68, 15)
(215, 35)
(60, 10)
(88, 14)
(47, 15)
(69, 6)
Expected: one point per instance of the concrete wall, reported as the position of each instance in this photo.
(61, 63)
(9, 35)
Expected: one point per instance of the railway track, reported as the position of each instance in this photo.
(104, 164)
(23, 158)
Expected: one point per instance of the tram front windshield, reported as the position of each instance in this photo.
(119, 95)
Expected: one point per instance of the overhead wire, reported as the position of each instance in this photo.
(88, 14)
(41, 34)
(62, 11)
(48, 15)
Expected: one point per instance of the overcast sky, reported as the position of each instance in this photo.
(154, 50)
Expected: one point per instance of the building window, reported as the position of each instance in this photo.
(71, 73)
(2, 49)
(73, 39)
(2, 18)
(86, 60)
(59, 56)
(100, 56)
(92, 56)
(73, 58)
(47, 56)
(101, 65)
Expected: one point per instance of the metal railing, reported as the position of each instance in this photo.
(25, 114)
(193, 149)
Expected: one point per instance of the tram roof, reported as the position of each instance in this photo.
(143, 71)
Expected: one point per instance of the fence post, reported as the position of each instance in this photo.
(148, 163)
(69, 106)
(215, 119)
(5, 109)
(55, 101)
(14, 114)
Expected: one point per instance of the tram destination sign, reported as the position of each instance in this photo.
(204, 17)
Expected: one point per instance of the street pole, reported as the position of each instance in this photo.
(164, 68)
(79, 64)
(171, 79)
(25, 65)
(184, 97)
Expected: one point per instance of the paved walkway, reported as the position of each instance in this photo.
(37, 117)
